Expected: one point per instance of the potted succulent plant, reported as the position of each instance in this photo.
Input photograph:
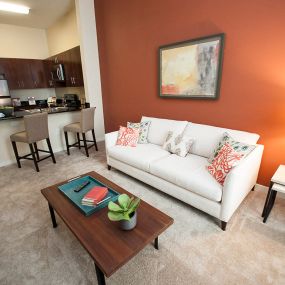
(124, 211)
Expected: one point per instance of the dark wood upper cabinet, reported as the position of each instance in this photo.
(71, 61)
(4, 67)
(73, 68)
(20, 74)
(34, 73)
(38, 73)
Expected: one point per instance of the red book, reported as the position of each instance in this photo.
(95, 195)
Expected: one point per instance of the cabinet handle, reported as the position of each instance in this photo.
(23, 83)
(19, 84)
(74, 80)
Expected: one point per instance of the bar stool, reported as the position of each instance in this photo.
(86, 124)
(36, 129)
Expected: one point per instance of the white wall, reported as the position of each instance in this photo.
(85, 12)
(63, 34)
(22, 42)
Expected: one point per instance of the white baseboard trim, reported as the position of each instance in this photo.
(262, 188)
(9, 162)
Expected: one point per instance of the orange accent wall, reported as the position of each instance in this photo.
(252, 94)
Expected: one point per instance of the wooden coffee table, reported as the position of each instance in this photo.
(107, 244)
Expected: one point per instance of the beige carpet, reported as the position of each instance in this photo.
(192, 251)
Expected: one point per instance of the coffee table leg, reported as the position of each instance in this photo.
(100, 275)
(156, 243)
(51, 210)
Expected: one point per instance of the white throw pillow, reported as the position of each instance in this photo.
(239, 147)
(143, 127)
(177, 143)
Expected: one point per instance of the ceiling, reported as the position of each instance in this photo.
(43, 13)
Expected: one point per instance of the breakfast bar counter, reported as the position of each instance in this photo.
(57, 119)
(21, 113)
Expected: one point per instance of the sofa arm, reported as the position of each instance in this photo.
(110, 140)
(239, 182)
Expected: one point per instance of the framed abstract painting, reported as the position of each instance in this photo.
(191, 69)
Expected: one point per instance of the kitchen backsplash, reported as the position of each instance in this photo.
(43, 94)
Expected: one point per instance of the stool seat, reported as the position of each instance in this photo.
(19, 137)
(74, 128)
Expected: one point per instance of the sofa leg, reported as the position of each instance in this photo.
(223, 225)
(252, 189)
(109, 167)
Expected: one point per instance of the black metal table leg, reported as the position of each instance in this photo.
(156, 243)
(270, 204)
(100, 275)
(267, 199)
(51, 210)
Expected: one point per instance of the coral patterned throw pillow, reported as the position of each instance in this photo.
(128, 136)
(226, 159)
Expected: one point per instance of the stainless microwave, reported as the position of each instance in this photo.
(58, 73)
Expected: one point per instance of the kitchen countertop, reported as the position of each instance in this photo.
(21, 113)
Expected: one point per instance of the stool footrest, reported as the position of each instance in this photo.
(48, 156)
(42, 150)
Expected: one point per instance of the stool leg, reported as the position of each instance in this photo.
(94, 139)
(34, 157)
(85, 144)
(36, 150)
(66, 141)
(78, 139)
(50, 150)
(16, 154)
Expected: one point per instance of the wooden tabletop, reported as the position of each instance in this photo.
(107, 244)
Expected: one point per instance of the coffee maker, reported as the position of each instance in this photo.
(72, 101)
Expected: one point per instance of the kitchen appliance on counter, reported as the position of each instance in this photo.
(51, 101)
(57, 73)
(5, 98)
(72, 101)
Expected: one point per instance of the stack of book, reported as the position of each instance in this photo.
(94, 196)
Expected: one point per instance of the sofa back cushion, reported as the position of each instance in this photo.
(207, 137)
(159, 129)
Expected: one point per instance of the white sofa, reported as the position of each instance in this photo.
(186, 178)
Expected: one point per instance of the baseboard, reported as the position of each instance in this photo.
(262, 188)
(55, 150)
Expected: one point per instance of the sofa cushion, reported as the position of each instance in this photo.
(240, 147)
(159, 129)
(177, 144)
(206, 138)
(226, 159)
(190, 173)
(140, 156)
(128, 136)
(143, 128)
